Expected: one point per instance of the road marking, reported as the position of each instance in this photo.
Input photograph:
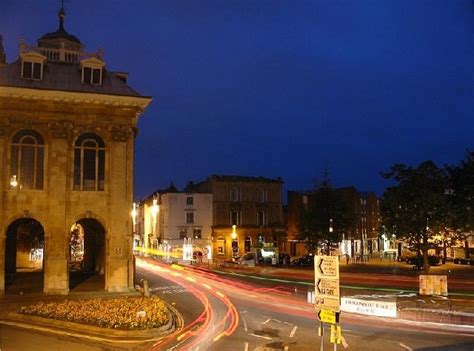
(261, 336)
(245, 324)
(246, 347)
(405, 346)
(278, 321)
(268, 320)
(293, 331)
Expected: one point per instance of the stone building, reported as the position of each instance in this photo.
(248, 214)
(67, 130)
(169, 219)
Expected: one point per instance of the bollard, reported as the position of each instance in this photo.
(146, 290)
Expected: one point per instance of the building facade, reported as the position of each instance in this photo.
(171, 219)
(248, 214)
(67, 131)
(362, 239)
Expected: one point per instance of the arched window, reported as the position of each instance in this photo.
(27, 159)
(89, 163)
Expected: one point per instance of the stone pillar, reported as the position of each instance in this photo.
(3, 180)
(56, 277)
(119, 271)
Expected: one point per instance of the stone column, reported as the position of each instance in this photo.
(119, 271)
(56, 279)
(3, 180)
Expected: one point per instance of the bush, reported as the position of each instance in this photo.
(120, 313)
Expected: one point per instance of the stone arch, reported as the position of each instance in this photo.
(24, 255)
(87, 254)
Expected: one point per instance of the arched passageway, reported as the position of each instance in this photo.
(87, 255)
(24, 256)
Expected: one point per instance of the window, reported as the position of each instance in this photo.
(260, 240)
(189, 217)
(32, 70)
(92, 75)
(261, 218)
(189, 200)
(235, 194)
(183, 233)
(234, 217)
(261, 196)
(197, 233)
(27, 159)
(89, 163)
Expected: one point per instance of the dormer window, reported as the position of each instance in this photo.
(92, 75)
(92, 71)
(32, 70)
(32, 65)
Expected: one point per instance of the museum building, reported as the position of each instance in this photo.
(67, 132)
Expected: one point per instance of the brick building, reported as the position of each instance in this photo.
(362, 239)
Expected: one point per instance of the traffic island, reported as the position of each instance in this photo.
(117, 320)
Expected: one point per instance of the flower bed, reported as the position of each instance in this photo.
(125, 313)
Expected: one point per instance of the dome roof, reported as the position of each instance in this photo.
(61, 33)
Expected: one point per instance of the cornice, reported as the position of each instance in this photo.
(74, 97)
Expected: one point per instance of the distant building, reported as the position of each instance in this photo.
(67, 136)
(362, 239)
(169, 219)
(248, 215)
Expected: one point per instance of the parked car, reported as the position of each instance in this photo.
(247, 260)
(418, 260)
(304, 261)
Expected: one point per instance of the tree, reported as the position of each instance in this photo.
(416, 205)
(325, 218)
(461, 197)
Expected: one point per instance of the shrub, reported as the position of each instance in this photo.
(118, 313)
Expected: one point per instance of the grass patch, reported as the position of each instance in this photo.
(126, 313)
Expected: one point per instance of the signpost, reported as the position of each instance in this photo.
(327, 296)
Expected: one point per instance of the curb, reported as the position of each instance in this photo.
(98, 334)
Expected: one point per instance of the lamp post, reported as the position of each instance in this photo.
(154, 211)
(134, 221)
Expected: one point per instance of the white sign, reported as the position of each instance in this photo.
(326, 282)
(433, 285)
(369, 307)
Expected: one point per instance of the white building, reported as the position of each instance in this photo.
(168, 222)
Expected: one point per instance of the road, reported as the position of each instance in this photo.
(223, 313)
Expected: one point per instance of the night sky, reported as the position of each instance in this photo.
(280, 88)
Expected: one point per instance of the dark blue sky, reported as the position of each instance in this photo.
(280, 88)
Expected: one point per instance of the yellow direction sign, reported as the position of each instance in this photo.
(326, 283)
(328, 316)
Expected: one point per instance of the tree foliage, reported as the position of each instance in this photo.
(325, 218)
(415, 207)
(461, 199)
